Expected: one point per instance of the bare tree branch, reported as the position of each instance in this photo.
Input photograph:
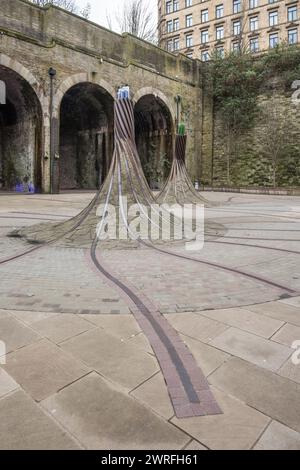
(69, 5)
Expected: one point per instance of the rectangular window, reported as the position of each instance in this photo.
(219, 32)
(189, 40)
(188, 3)
(168, 7)
(170, 46)
(204, 37)
(169, 26)
(189, 21)
(204, 16)
(293, 36)
(273, 40)
(176, 24)
(236, 28)
(253, 4)
(236, 6)
(254, 45)
(253, 23)
(292, 13)
(220, 51)
(175, 5)
(176, 44)
(273, 18)
(235, 47)
(219, 11)
(205, 56)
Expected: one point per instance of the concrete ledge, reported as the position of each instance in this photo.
(255, 190)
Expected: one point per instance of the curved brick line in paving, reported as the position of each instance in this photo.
(284, 250)
(187, 385)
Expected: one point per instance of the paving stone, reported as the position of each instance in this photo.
(140, 341)
(29, 318)
(24, 426)
(293, 301)
(121, 326)
(237, 428)
(112, 357)
(154, 394)
(102, 417)
(278, 310)
(290, 369)
(7, 383)
(194, 446)
(196, 326)
(207, 357)
(246, 320)
(43, 368)
(62, 327)
(278, 437)
(255, 349)
(266, 391)
(287, 335)
(15, 335)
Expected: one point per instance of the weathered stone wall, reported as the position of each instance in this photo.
(35, 39)
(267, 155)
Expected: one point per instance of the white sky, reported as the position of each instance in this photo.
(100, 7)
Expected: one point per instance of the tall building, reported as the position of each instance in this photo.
(198, 27)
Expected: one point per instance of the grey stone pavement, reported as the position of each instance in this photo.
(80, 374)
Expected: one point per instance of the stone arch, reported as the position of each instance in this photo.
(85, 120)
(158, 94)
(76, 79)
(21, 128)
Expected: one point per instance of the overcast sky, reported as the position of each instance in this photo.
(100, 7)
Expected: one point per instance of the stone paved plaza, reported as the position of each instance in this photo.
(79, 372)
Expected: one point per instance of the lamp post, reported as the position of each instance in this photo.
(52, 75)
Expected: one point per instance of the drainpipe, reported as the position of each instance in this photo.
(177, 101)
(52, 74)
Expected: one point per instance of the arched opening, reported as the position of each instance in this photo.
(20, 134)
(154, 138)
(86, 136)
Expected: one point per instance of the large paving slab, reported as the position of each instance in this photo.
(291, 369)
(287, 335)
(238, 428)
(276, 396)
(196, 326)
(7, 383)
(29, 318)
(294, 302)
(121, 326)
(61, 327)
(102, 417)
(15, 335)
(279, 311)
(43, 368)
(278, 437)
(246, 320)
(113, 358)
(24, 426)
(252, 348)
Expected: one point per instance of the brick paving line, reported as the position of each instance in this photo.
(187, 386)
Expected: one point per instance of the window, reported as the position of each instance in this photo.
(190, 55)
(204, 16)
(189, 40)
(170, 46)
(236, 28)
(204, 36)
(253, 23)
(235, 47)
(254, 45)
(273, 40)
(176, 24)
(236, 6)
(220, 51)
(219, 11)
(176, 44)
(188, 3)
(189, 21)
(273, 18)
(219, 32)
(253, 4)
(169, 26)
(168, 7)
(175, 5)
(292, 13)
(205, 56)
(292, 36)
